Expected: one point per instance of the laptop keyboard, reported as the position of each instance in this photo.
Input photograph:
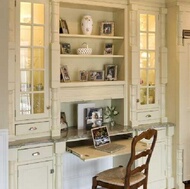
(110, 148)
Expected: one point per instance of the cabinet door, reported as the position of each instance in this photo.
(31, 58)
(37, 175)
(157, 166)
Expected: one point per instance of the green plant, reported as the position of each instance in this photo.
(110, 112)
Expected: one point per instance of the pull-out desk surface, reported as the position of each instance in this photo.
(80, 143)
(88, 152)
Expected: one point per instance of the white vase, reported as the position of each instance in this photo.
(87, 25)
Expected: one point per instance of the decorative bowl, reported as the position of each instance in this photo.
(84, 50)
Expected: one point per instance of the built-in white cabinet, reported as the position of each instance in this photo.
(35, 165)
(160, 168)
(148, 65)
(97, 90)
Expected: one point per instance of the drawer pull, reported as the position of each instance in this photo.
(148, 115)
(33, 128)
(36, 154)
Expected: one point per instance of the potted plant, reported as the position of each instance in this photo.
(110, 113)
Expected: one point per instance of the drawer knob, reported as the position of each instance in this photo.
(33, 128)
(148, 115)
(36, 154)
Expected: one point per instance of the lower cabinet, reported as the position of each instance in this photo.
(160, 168)
(37, 175)
(37, 165)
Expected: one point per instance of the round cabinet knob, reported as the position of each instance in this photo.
(48, 107)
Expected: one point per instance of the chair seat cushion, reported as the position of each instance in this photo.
(116, 176)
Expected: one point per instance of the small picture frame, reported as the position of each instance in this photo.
(64, 74)
(63, 28)
(107, 28)
(108, 48)
(65, 48)
(110, 72)
(96, 75)
(83, 75)
(63, 121)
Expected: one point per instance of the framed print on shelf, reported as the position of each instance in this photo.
(65, 48)
(108, 48)
(110, 72)
(107, 28)
(96, 75)
(63, 121)
(83, 75)
(63, 28)
(64, 74)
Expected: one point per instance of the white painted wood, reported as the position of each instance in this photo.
(4, 159)
(35, 153)
(36, 175)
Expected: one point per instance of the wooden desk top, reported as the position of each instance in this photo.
(88, 152)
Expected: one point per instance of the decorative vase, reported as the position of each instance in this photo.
(112, 123)
(87, 25)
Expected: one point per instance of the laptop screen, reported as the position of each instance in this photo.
(100, 136)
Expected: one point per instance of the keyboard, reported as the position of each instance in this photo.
(111, 147)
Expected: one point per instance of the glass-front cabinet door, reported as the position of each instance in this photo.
(31, 60)
(148, 69)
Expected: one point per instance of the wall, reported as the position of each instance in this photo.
(4, 63)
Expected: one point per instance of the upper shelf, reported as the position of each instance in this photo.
(91, 36)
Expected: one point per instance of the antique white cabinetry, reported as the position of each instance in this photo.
(30, 95)
(148, 68)
(178, 64)
(35, 165)
(101, 92)
(160, 169)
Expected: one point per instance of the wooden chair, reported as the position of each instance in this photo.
(129, 177)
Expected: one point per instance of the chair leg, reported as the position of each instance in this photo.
(94, 183)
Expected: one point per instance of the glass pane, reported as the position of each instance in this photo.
(38, 60)
(38, 14)
(25, 104)
(25, 12)
(143, 59)
(143, 77)
(143, 22)
(143, 41)
(38, 80)
(151, 77)
(151, 59)
(38, 38)
(38, 103)
(151, 43)
(25, 35)
(25, 58)
(25, 81)
(151, 98)
(151, 23)
(143, 96)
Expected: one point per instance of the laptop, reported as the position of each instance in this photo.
(102, 141)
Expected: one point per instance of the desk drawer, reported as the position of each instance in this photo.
(32, 128)
(35, 153)
(150, 115)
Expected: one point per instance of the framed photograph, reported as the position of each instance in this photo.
(107, 28)
(96, 75)
(63, 28)
(63, 121)
(83, 75)
(110, 72)
(64, 74)
(65, 48)
(94, 117)
(108, 48)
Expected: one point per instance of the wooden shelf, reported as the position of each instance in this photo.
(91, 36)
(90, 56)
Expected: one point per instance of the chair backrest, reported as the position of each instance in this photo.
(132, 169)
